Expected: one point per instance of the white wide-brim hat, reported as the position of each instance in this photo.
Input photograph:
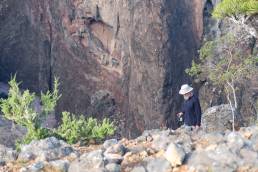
(185, 89)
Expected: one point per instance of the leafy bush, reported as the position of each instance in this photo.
(19, 108)
(235, 7)
(194, 70)
(74, 129)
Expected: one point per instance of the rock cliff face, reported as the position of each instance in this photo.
(114, 58)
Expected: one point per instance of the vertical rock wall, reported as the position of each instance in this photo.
(115, 58)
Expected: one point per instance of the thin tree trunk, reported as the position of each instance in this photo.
(234, 94)
(232, 110)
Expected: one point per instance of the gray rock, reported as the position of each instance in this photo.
(7, 154)
(116, 149)
(36, 167)
(10, 132)
(217, 118)
(26, 156)
(254, 141)
(235, 141)
(158, 165)
(113, 158)
(109, 143)
(175, 155)
(113, 167)
(96, 157)
(88, 161)
(161, 142)
(139, 169)
(249, 156)
(114, 154)
(45, 150)
(213, 138)
(60, 165)
(213, 160)
(141, 138)
(223, 155)
(248, 132)
(136, 149)
(199, 161)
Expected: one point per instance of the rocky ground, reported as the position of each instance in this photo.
(154, 151)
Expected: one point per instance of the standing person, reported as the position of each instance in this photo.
(191, 109)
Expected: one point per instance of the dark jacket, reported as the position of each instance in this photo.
(192, 111)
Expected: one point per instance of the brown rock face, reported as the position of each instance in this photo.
(122, 59)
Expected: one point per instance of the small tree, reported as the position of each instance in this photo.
(19, 108)
(223, 62)
(238, 11)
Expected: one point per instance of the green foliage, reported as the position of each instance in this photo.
(19, 108)
(206, 50)
(49, 99)
(222, 61)
(194, 70)
(74, 129)
(228, 8)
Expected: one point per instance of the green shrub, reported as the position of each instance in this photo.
(228, 8)
(49, 99)
(18, 107)
(194, 70)
(75, 129)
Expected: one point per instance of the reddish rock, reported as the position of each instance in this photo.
(137, 50)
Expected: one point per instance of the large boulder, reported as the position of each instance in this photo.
(157, 165)
(48, 149)
(217, 118)
(89, 162)
(175, 155)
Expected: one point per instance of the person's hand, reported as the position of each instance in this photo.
(179, 114)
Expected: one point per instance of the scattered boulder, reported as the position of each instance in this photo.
(175, 154)
(235, 141)
(116, 149)
(88, 161)
(35, 167)
(139, 169)
(182, 150)
(109, 143)
(59, 165)
(45, 150)
(114, 154)
(113, 167)
(157, 165)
